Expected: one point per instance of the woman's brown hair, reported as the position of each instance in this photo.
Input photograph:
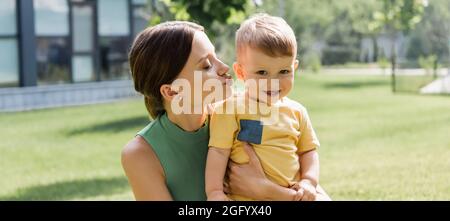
(157, 56)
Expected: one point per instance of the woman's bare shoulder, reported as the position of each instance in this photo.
(144, 171)
(138, 152)
(136, 147)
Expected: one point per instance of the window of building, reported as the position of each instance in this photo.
(140, 2)
(141, 16)
(53, 60)
(82, 68)
(51, 17)
(8, 24)
(114, 32)
(9, 56)
(83, 22)
(83, 35)
(113, 18)
(53, 47)
(9, 65)
(114, 58)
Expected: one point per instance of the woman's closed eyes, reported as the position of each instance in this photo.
(206, 65)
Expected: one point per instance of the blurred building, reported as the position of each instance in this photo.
(381, 45)
(66, 52)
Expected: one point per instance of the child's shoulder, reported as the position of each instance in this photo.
(227, 104)
(300, 111)
(294, 105)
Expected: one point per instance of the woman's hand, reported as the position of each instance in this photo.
(218, 196)
(248, 179)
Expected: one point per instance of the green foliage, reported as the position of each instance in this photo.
(205, 12)
(160, 12)
(155, 20)
(220, 19)
(332, 28)
(432, 34)
(428, 63)
(318, 23)
(383, 63)
(399, 15)
(362, 16)
(311, 61)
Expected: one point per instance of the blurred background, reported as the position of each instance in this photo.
(374, 75)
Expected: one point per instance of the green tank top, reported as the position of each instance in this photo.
(182, 155)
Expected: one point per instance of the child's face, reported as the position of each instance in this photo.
(256, 65)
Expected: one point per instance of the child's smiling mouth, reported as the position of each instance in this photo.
(273, 93)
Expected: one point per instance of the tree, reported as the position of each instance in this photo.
(430, 38)
(398, 16)
(362, 16)
(311, 22)
(205, 12)
(219, 17)
(329, 29)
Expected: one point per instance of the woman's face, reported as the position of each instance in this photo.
(206, 75)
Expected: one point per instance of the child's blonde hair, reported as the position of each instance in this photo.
(268, 33)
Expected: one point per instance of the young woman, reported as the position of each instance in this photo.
(166, 160)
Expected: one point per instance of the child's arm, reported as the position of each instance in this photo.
(309, 166)
(216, 165)
(308, 157)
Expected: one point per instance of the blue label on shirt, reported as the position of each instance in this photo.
(251, 131)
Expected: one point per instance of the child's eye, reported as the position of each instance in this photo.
(261, 72)
(285, 71)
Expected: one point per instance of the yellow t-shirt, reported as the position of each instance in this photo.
(277, 140)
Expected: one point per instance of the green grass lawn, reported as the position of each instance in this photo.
(375, 145)
(412, 84)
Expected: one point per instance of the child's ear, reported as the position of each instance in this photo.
(296, 65)
(167, 92)
(238, 70)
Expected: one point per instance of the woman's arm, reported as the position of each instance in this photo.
(250, 181)
(144, 171)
